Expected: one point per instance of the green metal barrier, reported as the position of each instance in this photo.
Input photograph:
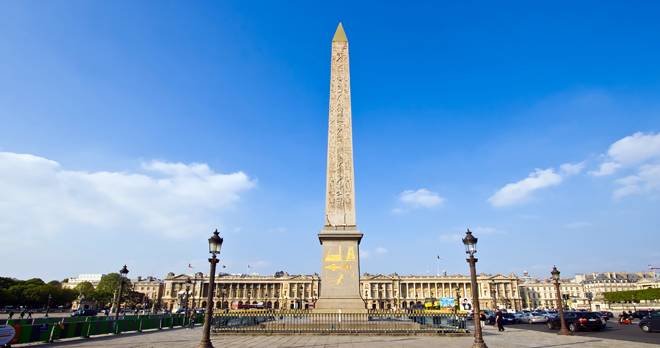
(41, 329)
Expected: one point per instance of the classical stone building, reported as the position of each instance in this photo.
(379, 291)
(152, 289)
(94, 279)
(542, 293)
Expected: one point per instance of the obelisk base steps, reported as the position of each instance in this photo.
(340, 279)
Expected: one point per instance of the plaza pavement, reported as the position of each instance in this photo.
(182, 338)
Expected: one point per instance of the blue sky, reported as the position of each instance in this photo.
(130, 131)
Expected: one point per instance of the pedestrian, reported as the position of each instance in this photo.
(29, 314)
(482, 320)
(499, 320)
(22, 314)
(11, 314)
(191, 323)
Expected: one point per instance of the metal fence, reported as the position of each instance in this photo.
(315, 321)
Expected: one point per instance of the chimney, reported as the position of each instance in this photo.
(139, 278)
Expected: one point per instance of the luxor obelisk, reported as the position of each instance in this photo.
(340, 238)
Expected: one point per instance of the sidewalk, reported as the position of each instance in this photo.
(182, 338)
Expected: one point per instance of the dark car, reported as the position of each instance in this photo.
(509, 318)
(576, 321)
(604, 315)
(651, 322)
(609, 314)
(85, 313)
(640, 314)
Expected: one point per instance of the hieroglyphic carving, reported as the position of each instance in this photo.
(340, 192)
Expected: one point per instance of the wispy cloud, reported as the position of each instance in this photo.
(519, 192)
(398, 211)
(381, 250)
(364, 254)
(38, 197)
(421, 198)
(629, 152)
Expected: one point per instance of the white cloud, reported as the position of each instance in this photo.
(364, 254)
(38, 197)
(648, 179)
(450, 237)
(519, 192)
(381, 250)
(578, 224)
(398, 211)
(630, 151)
(571, 169)
(421, 197)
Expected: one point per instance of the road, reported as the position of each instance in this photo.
(613, 331)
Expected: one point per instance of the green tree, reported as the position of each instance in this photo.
(6, 298)
(6, 283)
(55, 283)
(110, 283)
(87, 287)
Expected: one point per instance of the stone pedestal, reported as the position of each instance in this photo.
(340, 277)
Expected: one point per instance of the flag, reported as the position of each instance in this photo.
(249, 266)
(223, 266)
(439, 258)
(190, 266)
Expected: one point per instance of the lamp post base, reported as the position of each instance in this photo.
(481, 344)
(564, 331)
(205, 345)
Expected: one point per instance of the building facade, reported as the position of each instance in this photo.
(379, 291)
(151, 288)
(94, 279)
(542, 293)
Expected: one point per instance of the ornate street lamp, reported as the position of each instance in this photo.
(122, 275)
(563, 330)
(215, 244)
(471, 248)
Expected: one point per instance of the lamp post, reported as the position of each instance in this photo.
(188, 284)
(589, 297)
(215, 243)
(223, 293)
(493, 293)
(48, 306)
(563, 330)
(633, 302)
(470, 243)
(122, 275)
(458, 298)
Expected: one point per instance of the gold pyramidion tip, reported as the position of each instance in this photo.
(340, 35)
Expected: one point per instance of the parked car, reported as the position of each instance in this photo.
(509, 318)
(651, 322)
(534, 317)
(576, 321)
(641, 314)
(85, 313)
(609, 314)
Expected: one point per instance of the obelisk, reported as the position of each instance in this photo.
(340, 238)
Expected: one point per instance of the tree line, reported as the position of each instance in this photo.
(34, 293)
(627, 296)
